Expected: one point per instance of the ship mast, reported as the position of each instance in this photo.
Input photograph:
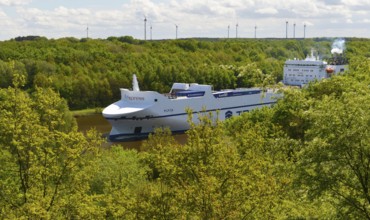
(135, 84)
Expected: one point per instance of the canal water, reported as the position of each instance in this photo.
(98, 122)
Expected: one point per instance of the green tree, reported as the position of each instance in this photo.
(215, 176)
(290, 112)
(336, 161)
(43, 156)
(249, 75)
(156, 199)
(118, 176)
(53, 111)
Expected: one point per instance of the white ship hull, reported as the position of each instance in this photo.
(138, 113)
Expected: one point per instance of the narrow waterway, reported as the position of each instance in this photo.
(98, 122)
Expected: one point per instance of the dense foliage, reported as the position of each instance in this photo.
(88, 73)
(308, 157)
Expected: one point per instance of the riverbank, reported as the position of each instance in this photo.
(86, 112)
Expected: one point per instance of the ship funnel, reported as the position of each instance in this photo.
(135, 84)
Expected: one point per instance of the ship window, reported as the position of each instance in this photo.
(137, 130)
(156, 100)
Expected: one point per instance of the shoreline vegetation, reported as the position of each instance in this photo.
(86, 112)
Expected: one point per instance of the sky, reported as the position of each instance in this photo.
(193, 18)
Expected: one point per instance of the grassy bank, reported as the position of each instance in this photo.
(85, 112)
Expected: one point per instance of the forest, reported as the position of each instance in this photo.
(307, 157)
(89, 72)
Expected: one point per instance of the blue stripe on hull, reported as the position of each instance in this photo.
(135, 137)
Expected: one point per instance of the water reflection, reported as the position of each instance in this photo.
(98, 122)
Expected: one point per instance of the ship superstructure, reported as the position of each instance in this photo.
(300, 72)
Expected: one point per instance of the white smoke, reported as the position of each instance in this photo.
(338, 46)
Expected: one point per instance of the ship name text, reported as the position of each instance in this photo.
(134, 98)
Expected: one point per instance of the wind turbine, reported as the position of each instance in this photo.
(176, 29)
(236, 30)
(286, 29)
(145, 27)
(255, 31)
(87, 31)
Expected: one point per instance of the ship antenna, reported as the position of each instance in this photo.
(135, 84)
